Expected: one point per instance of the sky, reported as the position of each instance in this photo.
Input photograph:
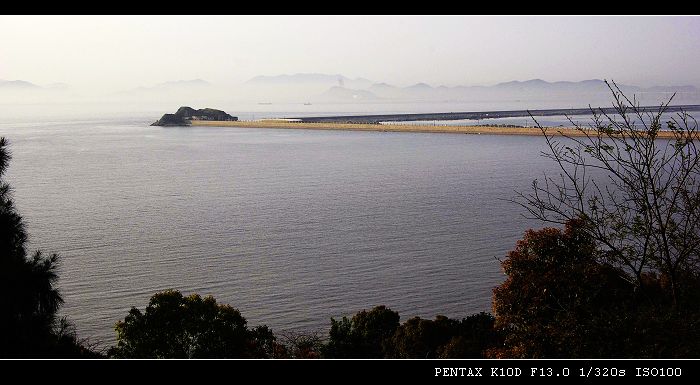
(123, 52)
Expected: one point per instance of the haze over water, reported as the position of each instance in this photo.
(290, 226)
(293, 227)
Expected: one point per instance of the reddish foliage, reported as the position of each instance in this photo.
(555, 295)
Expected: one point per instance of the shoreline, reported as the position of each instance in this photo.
(478, 115)
(415, 128)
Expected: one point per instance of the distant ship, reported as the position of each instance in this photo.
(307, 104)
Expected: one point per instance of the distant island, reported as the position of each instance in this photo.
(185, 115)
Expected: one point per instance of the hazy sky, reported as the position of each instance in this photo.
(121, 52)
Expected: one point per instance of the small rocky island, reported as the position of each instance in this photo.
(185, 115)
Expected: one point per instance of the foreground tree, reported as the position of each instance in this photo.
(622, 279)
(475, 336)
(636, 188)
(175, 326)
(444, 337)
(299, 345)
(559, 301)
(30, 300)
(554, 294)
(364, 336)
(378, 334)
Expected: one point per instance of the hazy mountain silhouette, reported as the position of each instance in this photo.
(17, 85)
(319, 87)
(534, 88)
(22, 91)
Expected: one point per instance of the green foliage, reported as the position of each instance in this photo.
(364, 336)
(445, 338)
(419, 338)
(175, 326)
(475, 335)
(263, 343)
(377, 334)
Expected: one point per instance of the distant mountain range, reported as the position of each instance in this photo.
(17, 85)
(336, 87)
(13, 85)
(22, 91)
(586, 85)
(317, 87)
(535, 87)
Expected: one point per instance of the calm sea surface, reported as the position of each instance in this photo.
(292, 227)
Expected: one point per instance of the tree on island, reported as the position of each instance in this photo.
(28, 307)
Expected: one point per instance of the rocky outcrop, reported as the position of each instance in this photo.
(185, 115)
(170, 120)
